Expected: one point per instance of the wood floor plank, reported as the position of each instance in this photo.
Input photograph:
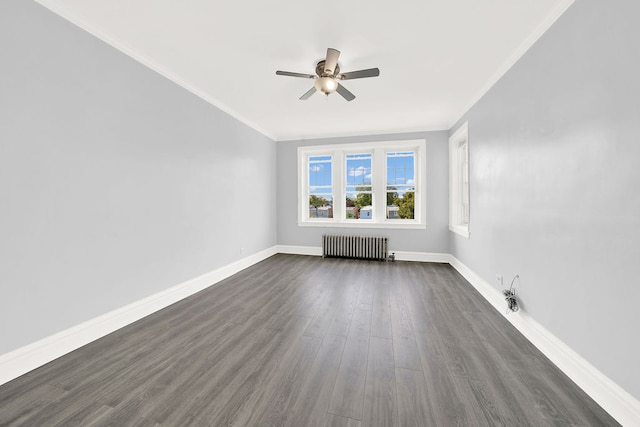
(273, 409)
(334, 312)
(413, 406)
(213, 375)
(305, 341)
(265, 394)
(312, 402)
(380, 402)
(324, 315)
(365, 296)
(560, 404)
(338, 421)
(348, 393)
(443, 398)
(404, 343)
(96, 418)
(258, 353)
(381, 313)
(344, 313)
(19, 405)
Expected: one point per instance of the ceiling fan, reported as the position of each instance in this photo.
(329, 75)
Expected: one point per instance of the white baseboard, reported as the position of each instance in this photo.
(400, 255)
(615, 400)
(421, 256)
(32, 356)
(300, 250)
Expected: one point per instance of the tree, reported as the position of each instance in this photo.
(316, 201)
(406, 205)
(392, 196)
(363, 199)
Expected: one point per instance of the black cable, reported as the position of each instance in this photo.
(510, 296)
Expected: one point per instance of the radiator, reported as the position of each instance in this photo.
(362, 247)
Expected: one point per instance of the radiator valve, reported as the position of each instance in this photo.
(392, 257)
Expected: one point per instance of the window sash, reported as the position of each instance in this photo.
(400, 170)
(358, 190)
(324, 190)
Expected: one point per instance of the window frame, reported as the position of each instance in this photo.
(458, 192)
(379, 151)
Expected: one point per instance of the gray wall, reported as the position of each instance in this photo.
(433, 239)
(554, 158)
(114, 182)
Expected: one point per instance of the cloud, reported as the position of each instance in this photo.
(411, 182)
(322, 191)
(360, 170)
(315, 168)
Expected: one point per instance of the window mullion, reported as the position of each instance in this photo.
(338, 186)
(303, 184)
(378, 182)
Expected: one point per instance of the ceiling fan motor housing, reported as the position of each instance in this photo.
(320, 70)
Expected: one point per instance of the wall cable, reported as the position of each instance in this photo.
(510, 296)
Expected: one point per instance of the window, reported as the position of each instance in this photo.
(374, 185)
(459, 181)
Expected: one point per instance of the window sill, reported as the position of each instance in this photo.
(354, 224)
(458, 229)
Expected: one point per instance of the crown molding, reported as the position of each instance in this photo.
(558, 11)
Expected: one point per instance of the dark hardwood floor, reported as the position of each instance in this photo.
(296, 341)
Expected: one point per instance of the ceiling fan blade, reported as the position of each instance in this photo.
(308, 94)
(345, 93)
(290, 74)
(360, 74)
(332, 61)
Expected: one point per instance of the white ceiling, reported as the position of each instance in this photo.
(436, 57)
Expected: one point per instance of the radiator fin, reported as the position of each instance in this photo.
(360, 247)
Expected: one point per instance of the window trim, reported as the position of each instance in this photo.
(379, 150)
(457, 190)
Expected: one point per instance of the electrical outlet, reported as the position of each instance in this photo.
(499, 278)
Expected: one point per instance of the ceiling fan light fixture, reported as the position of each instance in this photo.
(328, 76)
(326, 85)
